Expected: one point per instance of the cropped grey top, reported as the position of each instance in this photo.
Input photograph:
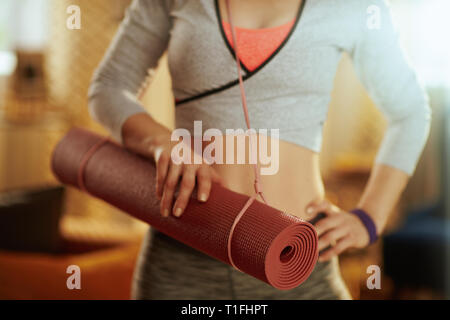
(290, 91)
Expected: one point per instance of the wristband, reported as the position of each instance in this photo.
(368, 224)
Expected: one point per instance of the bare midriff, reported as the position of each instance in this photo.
(296, 183)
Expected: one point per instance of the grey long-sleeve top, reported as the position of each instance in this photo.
(291, 91)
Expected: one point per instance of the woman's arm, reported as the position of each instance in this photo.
(393, 85)
(138, 45)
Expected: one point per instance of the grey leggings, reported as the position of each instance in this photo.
(168, 269)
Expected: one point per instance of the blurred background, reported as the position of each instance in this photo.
(45, 70)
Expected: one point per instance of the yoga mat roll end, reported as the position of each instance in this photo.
(292, 256)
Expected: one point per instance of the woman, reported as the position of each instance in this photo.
(289, 51)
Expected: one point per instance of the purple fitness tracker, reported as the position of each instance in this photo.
(368, 223)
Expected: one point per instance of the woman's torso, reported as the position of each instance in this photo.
(290, 92)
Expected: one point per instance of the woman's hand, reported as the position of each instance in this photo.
(339, 230)
(143, 135)
(184, 177)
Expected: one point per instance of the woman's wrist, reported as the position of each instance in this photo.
(143, 135)
(368, 223)
(381, 194)
(151, 145)
(378, 215)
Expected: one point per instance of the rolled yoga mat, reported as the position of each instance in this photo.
(275, 247)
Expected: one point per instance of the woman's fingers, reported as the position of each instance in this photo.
(332, 237)
(340, 247)
(190, 174)
(170, 184)
(186, 188)
(162, 166)
(326, 224)
(204, 183)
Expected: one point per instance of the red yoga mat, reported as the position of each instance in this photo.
(275, 247)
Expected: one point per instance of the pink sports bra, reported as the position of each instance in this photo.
(257, 45)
